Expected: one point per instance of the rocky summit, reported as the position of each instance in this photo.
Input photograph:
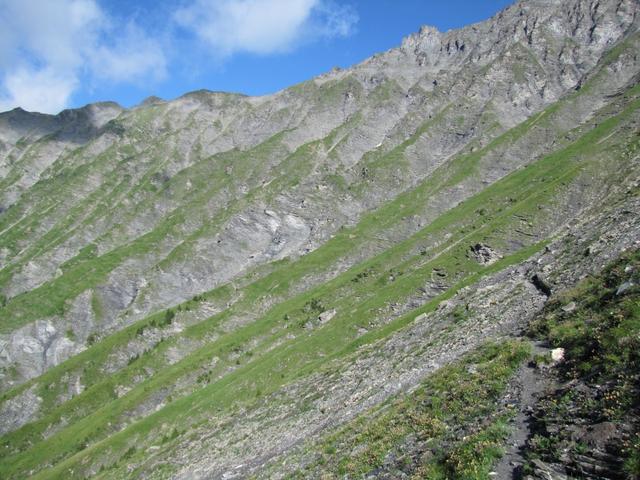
(423, 266)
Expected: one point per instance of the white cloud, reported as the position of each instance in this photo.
(52, 30)
(49, 47)
(337, 21)
(133, 57)
(264, 26)
(43, 90)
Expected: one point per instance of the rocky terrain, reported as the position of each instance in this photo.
(306, 284)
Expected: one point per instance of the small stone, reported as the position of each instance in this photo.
(557, 355)
(624, 288)
(569, 307)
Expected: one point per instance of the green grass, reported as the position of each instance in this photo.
(96, 415)
(355, 302)
(86, 271)
(50, 299)
(330, 340)
(601, 338)
(455, 406)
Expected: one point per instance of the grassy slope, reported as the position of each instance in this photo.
(454, 413)
(356, 302)
(453, 426)
(600, 333)
(51, 298)
(266, 372)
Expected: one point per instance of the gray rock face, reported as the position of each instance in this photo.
(19, 410)
(33, 349)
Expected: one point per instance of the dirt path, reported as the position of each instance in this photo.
(529, 382)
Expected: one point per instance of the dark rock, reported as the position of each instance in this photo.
(544, 471)
(541, 284)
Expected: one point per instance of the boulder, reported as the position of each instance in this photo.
(324, 317)
(484, 254)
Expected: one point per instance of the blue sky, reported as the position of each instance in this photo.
(56, 54)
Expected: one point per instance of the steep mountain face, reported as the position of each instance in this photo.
(196, 288)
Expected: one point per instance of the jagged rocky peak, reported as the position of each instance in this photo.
(585, 24)
(427, 38)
